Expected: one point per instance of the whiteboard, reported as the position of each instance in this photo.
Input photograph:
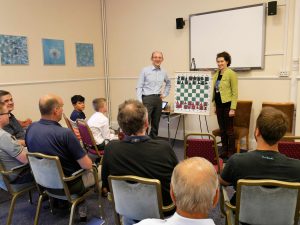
(239, 31)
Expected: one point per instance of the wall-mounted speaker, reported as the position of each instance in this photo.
(179, 23)
(272, 8)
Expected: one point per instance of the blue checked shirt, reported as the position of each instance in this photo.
(151, 82)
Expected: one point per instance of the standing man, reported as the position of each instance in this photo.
(150, 90)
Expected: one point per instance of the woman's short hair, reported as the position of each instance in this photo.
(98, 103)
(226, 57)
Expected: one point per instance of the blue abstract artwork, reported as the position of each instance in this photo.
(54, 52)
(13, 50)
(84, 54)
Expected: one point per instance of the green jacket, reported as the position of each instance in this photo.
(228, 87)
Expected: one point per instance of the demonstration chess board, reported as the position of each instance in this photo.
(193, 92)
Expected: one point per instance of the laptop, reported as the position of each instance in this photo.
(164, 105)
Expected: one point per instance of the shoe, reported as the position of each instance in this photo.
(82, 210)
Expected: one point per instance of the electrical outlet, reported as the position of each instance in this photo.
(283, 73)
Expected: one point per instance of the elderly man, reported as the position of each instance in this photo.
(14, 127)
(138, 154)
(265, 162)
(12, 154)
(48, 137)
(149, 90)
(194, 191)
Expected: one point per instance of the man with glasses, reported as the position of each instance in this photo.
(12, 154)
(14, 127)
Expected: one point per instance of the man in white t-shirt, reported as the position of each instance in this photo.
(194, 191)
(99, 123)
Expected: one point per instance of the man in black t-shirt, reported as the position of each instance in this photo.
(138, 154)
(265, 162)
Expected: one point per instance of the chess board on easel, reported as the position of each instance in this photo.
(193, 92)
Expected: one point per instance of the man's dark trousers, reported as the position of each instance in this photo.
(153, 104)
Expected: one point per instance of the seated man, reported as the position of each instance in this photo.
(138, 154)
(47, 136)
(194, 191)
(99, 123)
(15, 127)
(12, 154)
(265, 162)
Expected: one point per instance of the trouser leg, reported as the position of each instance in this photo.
(221, 121)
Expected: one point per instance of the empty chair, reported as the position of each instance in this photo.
(241, 123)
(15, 190)
(48, 174)
(137, 198)
(290, 146)
(70, 126)
(287, 108)
(203, 145)
(264, 202)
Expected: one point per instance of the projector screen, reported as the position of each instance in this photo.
(239, 31)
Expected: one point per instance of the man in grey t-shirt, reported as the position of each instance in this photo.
(12, 154)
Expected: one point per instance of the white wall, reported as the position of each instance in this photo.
(136, 28)
(69, 20)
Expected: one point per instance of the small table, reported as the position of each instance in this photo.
(170, 115)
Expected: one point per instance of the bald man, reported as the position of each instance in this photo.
(194, 191)
(47, 136)
(150, 90)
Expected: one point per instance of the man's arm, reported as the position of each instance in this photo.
(140, 85)
(168, 86)
(22, 156)
(85, 162)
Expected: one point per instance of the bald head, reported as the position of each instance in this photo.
(48, 103)
(194, 185)
(132, 117)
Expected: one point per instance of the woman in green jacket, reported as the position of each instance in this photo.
(225, 97)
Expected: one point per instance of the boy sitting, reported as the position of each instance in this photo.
(78, 104)
(99, 123)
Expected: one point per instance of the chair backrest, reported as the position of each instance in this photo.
(289, 146)
(285, 107)
(87, 137)
(202, 145)
(47, 170)
(136, 197)
(243, 114)
(68, 122)
(267, 202)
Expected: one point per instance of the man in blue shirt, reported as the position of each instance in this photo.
(48, 137)
(150, 90)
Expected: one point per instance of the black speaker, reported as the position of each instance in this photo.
(272, 8)
(179, 23)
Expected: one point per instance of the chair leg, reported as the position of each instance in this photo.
(238, 146)
(72, 211)
(38, 209)
(247, 142)
(11, 209)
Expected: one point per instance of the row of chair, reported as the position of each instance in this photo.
(48, 175)
(243, 116)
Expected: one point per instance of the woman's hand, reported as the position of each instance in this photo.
(231, 113)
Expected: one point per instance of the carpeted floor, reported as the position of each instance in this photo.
(25, 212)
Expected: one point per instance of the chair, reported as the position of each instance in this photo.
(88, 140)
(287, 108)
(264, 202)
(289, 146)
(70, 126)
(136, 198)
(196, 145)
(16, 190)
(48, 174)
(241, 123)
